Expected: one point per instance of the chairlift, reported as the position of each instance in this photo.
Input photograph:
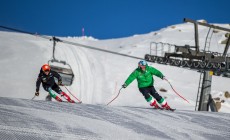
(61, 67)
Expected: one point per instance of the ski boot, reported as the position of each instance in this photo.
(166, 106)
(67, 97)
(154, 104)
(58, 99)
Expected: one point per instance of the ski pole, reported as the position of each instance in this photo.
(115, 97)
(72, 94)
(34, 97)
(175, 91)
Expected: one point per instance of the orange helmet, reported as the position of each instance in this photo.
(45, 68)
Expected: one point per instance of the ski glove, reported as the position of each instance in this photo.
(163, 77)
(60, 83)
(36, 93)
(124, 85)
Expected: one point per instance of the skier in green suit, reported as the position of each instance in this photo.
(144, 75)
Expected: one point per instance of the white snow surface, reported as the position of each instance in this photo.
(98, 78)
(28, 119)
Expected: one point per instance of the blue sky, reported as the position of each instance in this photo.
(107, 19)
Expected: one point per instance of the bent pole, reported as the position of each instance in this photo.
(176, 92)
(115, 97)
(72, 94)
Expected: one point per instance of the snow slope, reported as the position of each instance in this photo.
(99, 75)
(29, 119)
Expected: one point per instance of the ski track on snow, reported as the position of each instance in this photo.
(23, 119)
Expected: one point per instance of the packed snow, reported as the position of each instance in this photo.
(23, 119)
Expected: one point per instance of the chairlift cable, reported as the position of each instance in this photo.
(69, 42)
(20, 31)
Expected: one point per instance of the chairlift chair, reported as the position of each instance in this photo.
(62, 68)
(66, 73)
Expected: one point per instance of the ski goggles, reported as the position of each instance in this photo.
(47, 71)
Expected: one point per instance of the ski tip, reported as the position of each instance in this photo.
(172, 109)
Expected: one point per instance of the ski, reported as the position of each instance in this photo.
(72, 103)
(171, 109)
(160, 108)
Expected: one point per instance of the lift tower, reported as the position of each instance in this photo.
(192, 57)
